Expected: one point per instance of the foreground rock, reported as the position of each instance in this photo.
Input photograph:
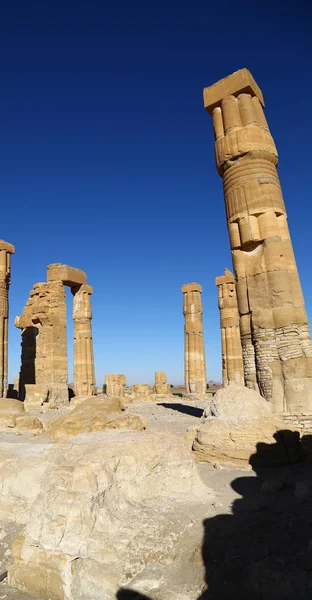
(116, 509)
(13, 416)
(94, 414)
(239, 428)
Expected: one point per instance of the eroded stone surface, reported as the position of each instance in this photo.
(94, 414)
(276, 344)
(115, 385)
(194, 350)
(6, 250)
(125, 520)
(161, 385)
(238, 424)
(232, 357)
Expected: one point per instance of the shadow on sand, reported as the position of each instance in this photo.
(262, 549)
(183, 408)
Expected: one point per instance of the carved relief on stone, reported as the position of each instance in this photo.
(276, 345)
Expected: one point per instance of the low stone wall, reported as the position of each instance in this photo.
(302, 422)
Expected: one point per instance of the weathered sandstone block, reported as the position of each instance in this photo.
(232, 357)
(276, 344)
(141, 389)
(115, 509)
(94, 414)
(194, 350)
(237, 424)
(115, 385)
(161, 385)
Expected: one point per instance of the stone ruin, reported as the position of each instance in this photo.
(102, 510)
(44, 369)
(194, 350)
(115, 385)
(275, 337)
(6, 250)
(231, 347)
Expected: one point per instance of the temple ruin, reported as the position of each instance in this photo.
(276, 345)
(232, 358)
(44, 369)
(115, 385)
(194, 350)
(6, 250)
(161, 385)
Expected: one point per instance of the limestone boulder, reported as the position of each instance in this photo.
(94, 414)
(238, 428)
(236, 402)
(22, 469)
(116, 509)
(13, 416)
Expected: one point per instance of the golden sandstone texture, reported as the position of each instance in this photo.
(194, 349)
(94, 414)
(6, 250)
(115, 385)
(13, 416)
(276, 345)
(232, 357)
(44, 371)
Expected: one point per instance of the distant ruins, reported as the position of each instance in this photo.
(115, 385)
(161, 385)
(232, 357)
(44, 370)
(276, 345)
(194, 350)
(6, 250)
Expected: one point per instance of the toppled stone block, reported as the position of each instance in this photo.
(94, 414)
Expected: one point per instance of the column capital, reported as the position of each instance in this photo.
(239, 82)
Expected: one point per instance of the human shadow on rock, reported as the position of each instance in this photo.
(263, 550)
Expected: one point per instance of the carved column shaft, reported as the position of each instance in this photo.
(194, 351)
(277, 349)
(232, 359)
(84, 377)
(6, 250)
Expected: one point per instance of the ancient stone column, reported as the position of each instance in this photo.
(277, 350)
(84, 377)
(232, 358)
(115, 385)
(161, 385)
(194, 350)
(43, 376)
(6, 250)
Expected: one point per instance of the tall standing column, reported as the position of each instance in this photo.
(277, 350)
(232, 358)
(6, 250)
(84, 378)
(194, 350)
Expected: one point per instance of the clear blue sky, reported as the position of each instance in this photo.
(107, 159)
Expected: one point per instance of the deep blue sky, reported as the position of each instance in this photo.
(107, 159)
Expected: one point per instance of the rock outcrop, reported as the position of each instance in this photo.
(116, 509)
(94, 414)
(13, 416)
(239, 424)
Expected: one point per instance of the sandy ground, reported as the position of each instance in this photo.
(249, 522)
